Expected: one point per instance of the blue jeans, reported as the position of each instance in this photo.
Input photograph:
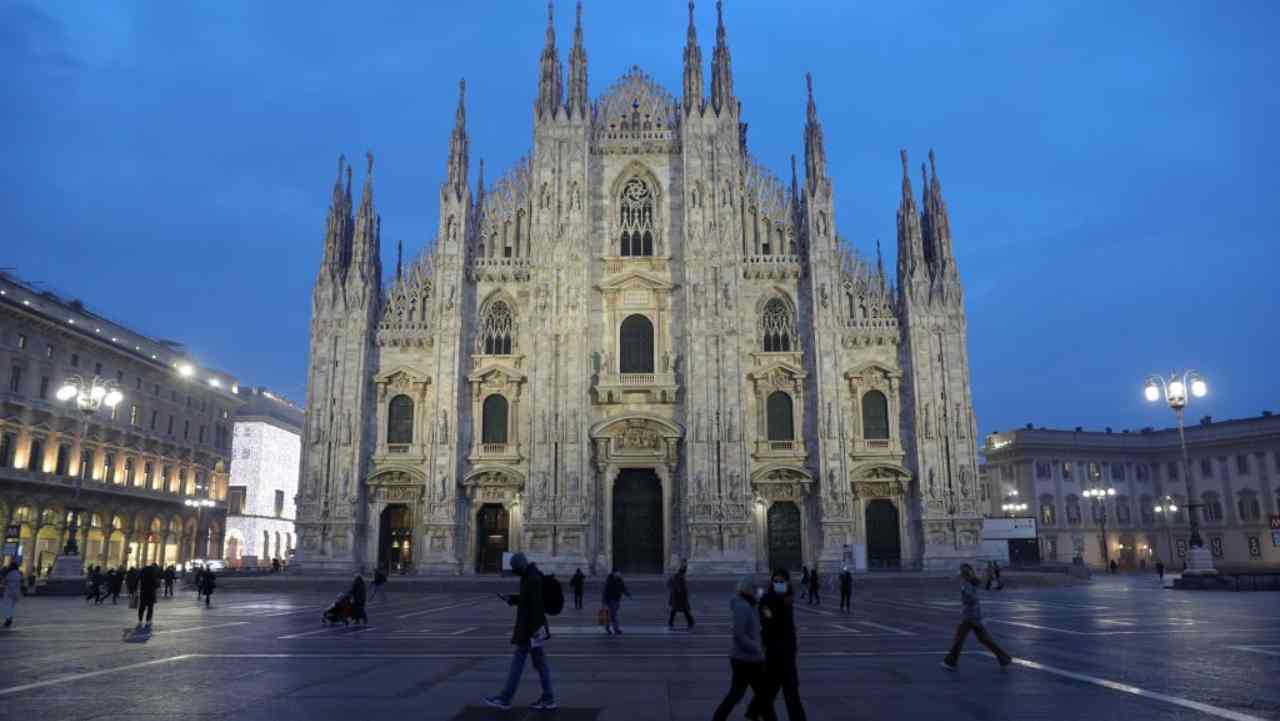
(613, 614)
(517, 669)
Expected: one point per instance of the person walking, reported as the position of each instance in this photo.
(379, 580)
(995, 571)
(1115, 567)
(746, 654)
(1160, 570)
(804, 582)
(95, 586)
(679, 600)
(578, 584)
(357, 595)
(815, 588)
(131, 585)
(971, 620)
(208, 582)
(778, 632)
(529, 638)
(170, 575)
(198, 581)
(115, 584)
(10, 591)
(614, 590)
(846, 590)
(148, 585)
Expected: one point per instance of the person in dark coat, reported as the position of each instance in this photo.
(846, 589)
(198, 581)
(115, 584)
(379, 582)
(778, 632)
(578, 584)
(170, 575)
(95, 586)
(528, 636)
(614, 590)
(131, 582)
(208, 582)
(1160, 569)
(815, 589)
(679, 587)
(357, 594)
(148, 585)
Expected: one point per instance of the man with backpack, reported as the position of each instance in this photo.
(530, 632)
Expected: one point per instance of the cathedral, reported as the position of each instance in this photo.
(638, 347)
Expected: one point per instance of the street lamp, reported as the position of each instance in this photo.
(89, 397)
(1174, 391)
(1168, 510)
(1099, 498)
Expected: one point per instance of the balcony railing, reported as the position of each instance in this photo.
(493, 449)
(782, 445)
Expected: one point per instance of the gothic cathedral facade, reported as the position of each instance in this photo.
(638, 347)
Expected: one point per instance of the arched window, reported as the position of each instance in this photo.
(875, 416)
(635, 218)
(635, 345)
(400, 420)
(778, 418)
(494, 420)
(778, 327)
(496, 329)
(1073, 510)
(1048, 514)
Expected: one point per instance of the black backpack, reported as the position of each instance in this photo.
(552, 595)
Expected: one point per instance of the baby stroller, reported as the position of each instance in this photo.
(342, 610)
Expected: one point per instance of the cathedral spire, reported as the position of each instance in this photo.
(939, 223)
(550, 77)
(721, 67)
(458, 142)
(693, 98)
(399, 259)
(795, 186)
(337, 235)
(880, 265)
(366, 251)
(909, 239)
(815, 152)
(578, 71)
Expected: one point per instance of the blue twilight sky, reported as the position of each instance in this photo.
(1107, 165)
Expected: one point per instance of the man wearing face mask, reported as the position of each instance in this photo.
(778, 632)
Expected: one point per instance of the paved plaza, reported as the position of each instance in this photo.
(1118, 648)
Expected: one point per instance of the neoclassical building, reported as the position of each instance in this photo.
(638, 346)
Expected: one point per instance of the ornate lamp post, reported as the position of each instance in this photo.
(89, 397)
(1168, 510)
(1173, 390)
(1099, 497)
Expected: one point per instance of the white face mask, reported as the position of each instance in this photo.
(779, 587)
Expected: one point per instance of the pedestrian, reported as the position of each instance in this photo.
(148, 584)
(846, 590)
(1115, 567)
(357, 595)
(577, 583)
(815, 588)
(778, 632)
(198, 580)
(208, 582)
(1160, 570)
(170, 575)
(95, 586)
(679, 588)
(971, 620)
(804, 582)
(614, 590)
(131, 586)
(10, 591)
(275, 565)
(746, 654)
(115, 584)
(988, 577)
(379, 580)
(529, 638)
(995, 571)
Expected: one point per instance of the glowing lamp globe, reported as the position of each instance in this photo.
(1152, 393)
(1199, 388)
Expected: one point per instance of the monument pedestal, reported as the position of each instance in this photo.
(1199, 562)
(67, 576)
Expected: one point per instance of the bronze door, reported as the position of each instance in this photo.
(395, 539)
(493, 529)
(785, 550)
(884, 546)
(637, 522)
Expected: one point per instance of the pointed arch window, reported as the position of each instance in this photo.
(875, 416)
(635, 345)
(635, 219)
(778, 327)
(494, 420)
(496, 329)
(400, 420)
(779, 419)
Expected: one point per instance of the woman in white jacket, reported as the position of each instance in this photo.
(12, 592)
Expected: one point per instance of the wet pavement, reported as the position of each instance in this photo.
(1118, 648)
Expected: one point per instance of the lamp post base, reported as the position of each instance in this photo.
(1199, 562)
(67, 576)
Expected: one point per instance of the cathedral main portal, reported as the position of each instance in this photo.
(637, 521)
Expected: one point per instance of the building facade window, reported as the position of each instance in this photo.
(1117, 471)
(1122, 509)
(109, 468)
(1044, 471)
(235, 500)
(134, 412)
(779, 421)
(497, 329)
(63, 462)
(35, 458)
(777, 327)
(1073, 510)
(279, 504)
(1250, 508)
(1212, 506)
(1099, 510)
(1147, 511)
(875, 416)
(1172, 468)
(15, 379)
(1142, 472)
(1066, 472)
(22, 342)
(1206, 468)
(635, 219)
(170, 430)
(400, 420)
(1048, 514)
(75, 360)
(494, 419)
(635, 345)
(129, 471)
(86, 465)
(8, 441)
(1242, 464)
(44, 388)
